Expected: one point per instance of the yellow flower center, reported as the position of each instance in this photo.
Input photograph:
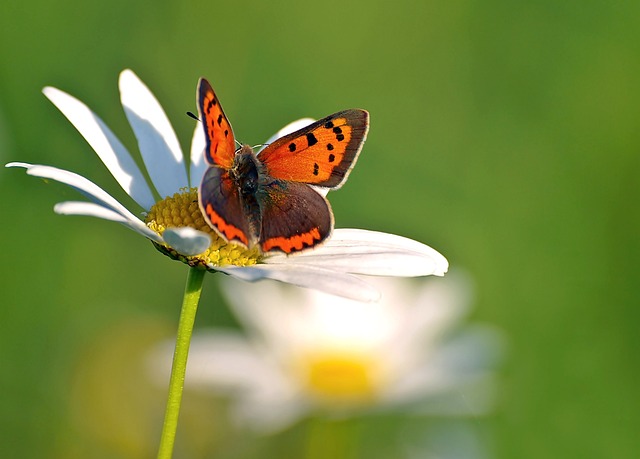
(181, 210)
(341, 378)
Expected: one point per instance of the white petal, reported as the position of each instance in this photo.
(271, 310)
(188, 241)
(315, 277)
(371, 253)
(91, 209)
(158, 143)
(270, 415)
(87, 188)
(198, 164)
(88, 209)
(110, 150)
(218, 359)
(289, 128)
(223, 359)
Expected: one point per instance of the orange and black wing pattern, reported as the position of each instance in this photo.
(295, 217)
(322, 153)
(223, 207)
(220, 144)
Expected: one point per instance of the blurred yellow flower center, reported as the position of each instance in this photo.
(341, 378)
(181, 210)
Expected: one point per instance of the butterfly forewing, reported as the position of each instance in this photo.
(294, 217)
(220, 143)
(322, 153)
(223, 208)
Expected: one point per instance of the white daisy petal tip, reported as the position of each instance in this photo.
(371, 253)
(18, 164)
(157, 141)
(50, 91)
(187, 241)
(128, 73)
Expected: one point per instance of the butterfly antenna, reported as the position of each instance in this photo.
(239, 143)
(191, 115)
(260, 145)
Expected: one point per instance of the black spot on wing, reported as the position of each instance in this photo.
(311, 139)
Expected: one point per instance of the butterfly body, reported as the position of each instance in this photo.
(266, 198)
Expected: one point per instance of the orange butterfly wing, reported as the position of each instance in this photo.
(220, 144)
(322, 153)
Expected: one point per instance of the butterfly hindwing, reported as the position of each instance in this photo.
(294, 217)
(220, 143)
(322, 153)
(222, 206)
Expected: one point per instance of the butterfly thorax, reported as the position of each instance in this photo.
(246, 171)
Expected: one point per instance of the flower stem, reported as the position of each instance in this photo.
(178, 369)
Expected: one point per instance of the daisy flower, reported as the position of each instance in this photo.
(307, 352)
(174, 224)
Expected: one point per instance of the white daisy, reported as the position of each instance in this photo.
(308, 352)
(175, 225)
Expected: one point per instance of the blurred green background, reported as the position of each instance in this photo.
(504, 134)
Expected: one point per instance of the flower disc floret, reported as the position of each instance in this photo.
(182, 210)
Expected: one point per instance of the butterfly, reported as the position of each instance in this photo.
(268, 198)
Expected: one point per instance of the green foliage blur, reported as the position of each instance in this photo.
(503, 133)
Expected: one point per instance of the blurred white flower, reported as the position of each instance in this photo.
(308, 352)
(175, 225)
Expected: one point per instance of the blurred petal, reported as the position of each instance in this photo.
(157, 141)
(198, 164)
(371, 253)
(222, 360)
(110, 150)
(270, 414)
(309, 276)
(475, 397)
(462, 361)
(270, 311)
(186, 240)
(435, 307)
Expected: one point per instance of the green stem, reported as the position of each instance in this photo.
(178, 369)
